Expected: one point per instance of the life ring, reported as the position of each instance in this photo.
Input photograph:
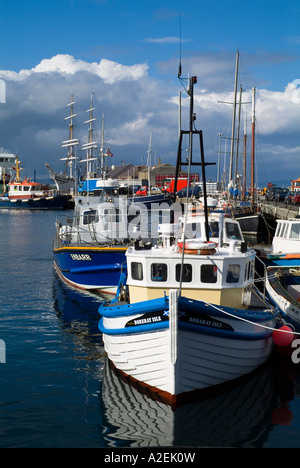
(227, 205)
(194, 247)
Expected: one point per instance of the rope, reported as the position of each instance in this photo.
(249, 321)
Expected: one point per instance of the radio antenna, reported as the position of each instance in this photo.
(180, 68)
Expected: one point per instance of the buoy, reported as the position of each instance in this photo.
(282, 416)
(283, 338)
(196, 247)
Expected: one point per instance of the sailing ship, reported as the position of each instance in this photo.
(66, 181)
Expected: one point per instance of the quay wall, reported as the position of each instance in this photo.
(279, 211)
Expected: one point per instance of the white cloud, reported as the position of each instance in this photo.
(164, 40)
(108, 70)
(134, 103)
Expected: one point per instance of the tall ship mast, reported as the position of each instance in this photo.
(90, 146)
(66, 181)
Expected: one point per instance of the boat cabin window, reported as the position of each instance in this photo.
(159, 272)
(248, 271)
(214, 229)
(278, 229)
(281, 232)
(295, 231)
(90, 216)
(209, 274)
(137, 271)
(232, 231)
(112, 215)
(187, 272)
(26, 188)
(285, 230)
(233, 274)
(193, 230)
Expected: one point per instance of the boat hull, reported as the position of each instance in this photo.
(91, 268)
(174, 358)
(44, 203)
(284, 296)
(147, 200)
(251, 223)
(216, 419)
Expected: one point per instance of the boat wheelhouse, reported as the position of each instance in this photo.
(210, 273)
(286, 239)
(7, 163)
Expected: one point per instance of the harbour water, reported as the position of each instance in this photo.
(57, 390)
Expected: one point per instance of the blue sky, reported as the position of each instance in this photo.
(126, 52)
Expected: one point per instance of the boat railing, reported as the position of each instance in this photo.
(98, 229)
(261, 279)
(73, 231)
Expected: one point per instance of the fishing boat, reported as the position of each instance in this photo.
(283, 269)
(89, 247)
(26, 194)
(193, 319)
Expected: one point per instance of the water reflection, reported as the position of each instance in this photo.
(239, 417)
(78, 315)
(251, 414)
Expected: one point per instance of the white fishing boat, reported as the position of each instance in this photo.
(193, 318)
(283, 269)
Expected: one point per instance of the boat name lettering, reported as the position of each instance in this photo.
(147, 318)
(81, 257)
(206, 322)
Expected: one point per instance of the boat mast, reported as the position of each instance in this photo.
(238, 137)
(180, 162)
(91, 144)
(253, 145)
(149, 162)
(233, 121)
(71, 142)
(18, 170)
(102, 164)
(245, 157)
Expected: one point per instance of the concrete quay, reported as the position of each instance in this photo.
(280, 210)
